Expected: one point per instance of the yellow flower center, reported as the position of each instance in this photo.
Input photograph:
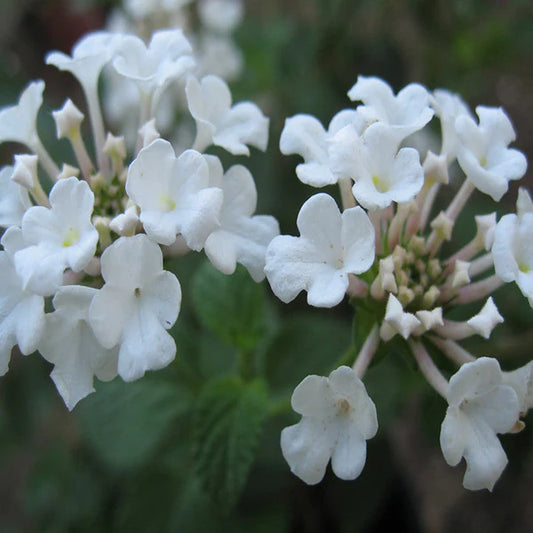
(71, 237)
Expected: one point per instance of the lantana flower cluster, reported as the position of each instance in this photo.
(91, 237)
(384, 250)
(207, 24)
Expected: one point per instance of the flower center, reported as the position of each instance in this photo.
(380, 184)
(524, 268)
(166, 203)
(71, 237)
(343, 406)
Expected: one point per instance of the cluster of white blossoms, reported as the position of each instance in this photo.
(209, 27)
(384, 249)
(94, 243)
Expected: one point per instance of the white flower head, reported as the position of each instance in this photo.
(57, 238)
(448, 107)
(406, 112)
(18, 123)
(381, 173)
(241, 237)
(71, 346)
(483, 153)
(89, 56)
(521, 380)
(174, 194)
(14, 199)
(338, 417)
(220, 123)
(480, 406)
(166, 58)
(21, 314)
(512, 251)
(305, 135)
(221, 16)
(331, 246)
(137, 305)
(218, 54)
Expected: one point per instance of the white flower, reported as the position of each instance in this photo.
(524, 204)
(448, 107)
(18, 123)
(136, 306)
(14, 199)
(305, 135)
(241, 237)
(57, 238)
(221, 16)
(521, 380)
(153, 67)
(21, 314)
(513, 251)
(174, 194)
(480, 406)
(220, 123)
(406, 112)
(483, 153)
(381, 173)
(89, 56)
(331, 246)
(72, 347)
(338, 417)
(218, 54)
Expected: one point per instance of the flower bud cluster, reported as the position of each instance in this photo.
(391, 261)
(90, 238)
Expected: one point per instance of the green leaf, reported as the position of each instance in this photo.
(125, 422)
(228, 419)
(309, 343)
(232, 307)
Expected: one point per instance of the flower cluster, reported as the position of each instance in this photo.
(94, 243)
(214, 52)
(384, 250)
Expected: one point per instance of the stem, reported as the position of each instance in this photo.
(454, 330)
(452, 350)
(81, 154)
(428, 368)
(245, 359)
(357, 288)
(44, 158)
(347, 197)
(479, 265)
(97, 125)
(462, 196)
(479, 290)
(367, 352)
(427, 206)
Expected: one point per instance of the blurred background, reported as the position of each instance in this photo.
(115, 463)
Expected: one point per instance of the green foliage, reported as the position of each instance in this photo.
(231, 307)
(308, 343)
(124, 423)
(227, 424)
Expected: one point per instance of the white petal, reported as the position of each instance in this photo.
(307, 447)
(349, 455)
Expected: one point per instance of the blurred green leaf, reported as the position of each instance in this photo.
(309, 343)
(228, 420)
(125, 422)
(232, 307)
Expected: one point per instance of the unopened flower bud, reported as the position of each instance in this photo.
(68, 171)
(25, 170)
(430, 297)
(460, 276)
(443, 226)
(68, 120)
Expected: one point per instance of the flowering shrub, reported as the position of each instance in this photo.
(92, 249)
